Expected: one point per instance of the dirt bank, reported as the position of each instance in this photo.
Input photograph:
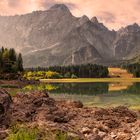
(68, 116)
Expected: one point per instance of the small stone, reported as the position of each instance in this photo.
(103, 128)
(127, 131)
(102, 134)
(86, 130)
(95, 131)
(123, 136)
(113, 135)
(138, 137)
(93, 137)
(76, 104)
(133, 138)
(72, 135)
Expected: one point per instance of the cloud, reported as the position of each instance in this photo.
(107, 17)
(45, 4)
(113, 13)
(13, 3)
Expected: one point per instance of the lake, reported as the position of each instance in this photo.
(94, 94)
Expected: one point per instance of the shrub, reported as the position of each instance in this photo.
(73, 76)
(52, 75)
(67, 75)
(41, 75)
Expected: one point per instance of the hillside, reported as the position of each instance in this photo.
(56, 37)
(134, 60)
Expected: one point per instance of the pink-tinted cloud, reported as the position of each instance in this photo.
(113, 13)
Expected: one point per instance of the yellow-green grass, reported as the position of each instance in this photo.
(90, 80)
(118, 72)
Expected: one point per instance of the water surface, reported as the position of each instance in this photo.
(94, 94)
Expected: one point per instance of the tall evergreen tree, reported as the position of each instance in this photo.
(20, 63)
(9, 62)
(0, 61)
(12, 55)
(2, 49)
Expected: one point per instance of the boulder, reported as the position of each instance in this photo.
(5, 103)
(74, 104)
(5, 100)
(27, 107)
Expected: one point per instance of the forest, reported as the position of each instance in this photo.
(10, 61)
(133, 68)
(73, 71)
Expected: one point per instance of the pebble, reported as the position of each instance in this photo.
(102, 134)
(95, 131)
(85, 130)
(113, 135)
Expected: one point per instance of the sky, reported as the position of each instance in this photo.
(113, 13)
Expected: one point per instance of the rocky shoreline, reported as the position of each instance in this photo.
(85, 123)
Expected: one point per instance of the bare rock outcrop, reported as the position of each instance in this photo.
(5, 119)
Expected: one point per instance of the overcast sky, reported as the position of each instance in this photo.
(113, 13)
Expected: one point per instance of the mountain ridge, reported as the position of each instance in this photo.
(56, 37)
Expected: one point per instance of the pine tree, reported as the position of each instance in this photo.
(20, 63)
(6, 66)
(2, 49)
(0, 61)
(12, 55)
(9, 62)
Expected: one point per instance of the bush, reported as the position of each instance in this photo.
(52, 75)
(67, 75)
(41, 75)
(73, 76)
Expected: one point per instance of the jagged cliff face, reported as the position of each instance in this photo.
(56, 37)
(127, 42)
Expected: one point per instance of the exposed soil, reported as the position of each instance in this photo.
(69, 116)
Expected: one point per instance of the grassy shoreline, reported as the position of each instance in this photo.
(90, 80)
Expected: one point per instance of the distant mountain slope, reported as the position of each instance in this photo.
(56, 37)
(134, 60)
(127, 42)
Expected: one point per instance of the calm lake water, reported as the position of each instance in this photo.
(94, 94)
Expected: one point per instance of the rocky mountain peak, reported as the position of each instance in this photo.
(130, 29)
(94, 20)
(134, 27)
(83, 19)
(62, 7)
